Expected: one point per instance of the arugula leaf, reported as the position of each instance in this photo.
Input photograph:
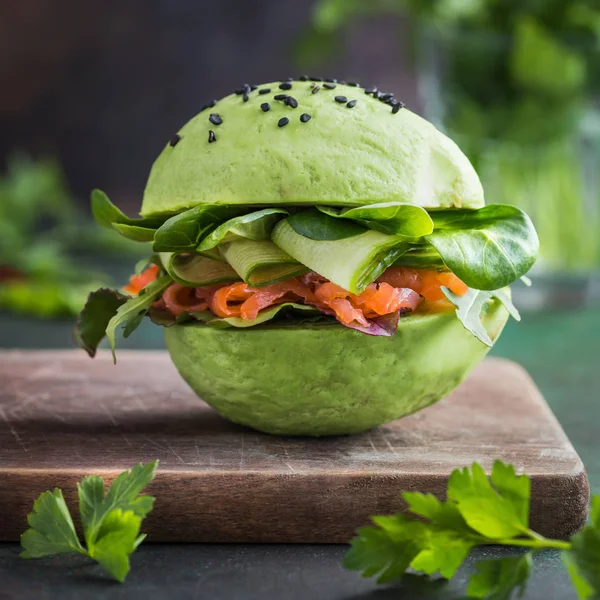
(101, 306)
(488, 248)
(583, 559)
(471, 306)
(316, 225)
(253, 226)
(108, 215)
(183, 232)
(494, 513)
(498, 579)
(111, 523)
(129, 315)
(393, 218)
(51, 528)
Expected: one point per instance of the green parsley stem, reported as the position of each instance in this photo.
(536, 544)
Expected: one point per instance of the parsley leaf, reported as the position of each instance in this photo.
(117, 538)
(437, 537)
(111, 522)
(388, 550)
(94, 506)
(583, 560)
(51, 528)
(494, 513)
(498, 579)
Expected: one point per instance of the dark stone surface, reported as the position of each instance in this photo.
(241, 572)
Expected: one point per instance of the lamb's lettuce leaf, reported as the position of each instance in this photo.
(108, 215)
(183, 232)
(316, 225)
(393, 218)
(253, 226)
(488, 248)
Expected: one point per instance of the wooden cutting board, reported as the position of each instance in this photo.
(63, 416)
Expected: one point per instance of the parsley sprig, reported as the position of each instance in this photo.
(436, 537)
(111, 522)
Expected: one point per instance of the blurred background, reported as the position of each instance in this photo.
(90, 94)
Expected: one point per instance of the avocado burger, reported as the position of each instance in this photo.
(323, 259)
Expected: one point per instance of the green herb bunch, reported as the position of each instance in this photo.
(41, 230)
(436, 537)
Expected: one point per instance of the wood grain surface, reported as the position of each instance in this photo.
(63, 416)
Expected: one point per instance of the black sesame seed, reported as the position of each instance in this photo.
(386, 97)
(211, 136)
(215, 119)
(341, 82)
(209, 105)
(303, 78)
(305, 118)
(396, 108)
(329, 86)
(391, 101)
(341, 99)
(377, 94)
(291, 102)
(253, 87)
(370, 90)
(316, 78)
(246, 97)
(351, 104)
(353, 84)
(283, 122)
(265, 106)
(239, 92)
(280, 96)
(331, 80)
(264, 91)
(285, 86)
(174, 140)
(316, 89)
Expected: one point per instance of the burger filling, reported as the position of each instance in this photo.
(364, 268)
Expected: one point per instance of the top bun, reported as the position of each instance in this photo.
(344, 155)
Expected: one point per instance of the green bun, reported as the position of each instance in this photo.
(342, 156)
(326, 379)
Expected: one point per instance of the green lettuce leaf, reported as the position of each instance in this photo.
(316, 225)
(253, 226)
(488, 248)
(183, 232)
(393, 218)
(108, 215)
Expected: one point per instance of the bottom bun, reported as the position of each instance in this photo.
(326, 379)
